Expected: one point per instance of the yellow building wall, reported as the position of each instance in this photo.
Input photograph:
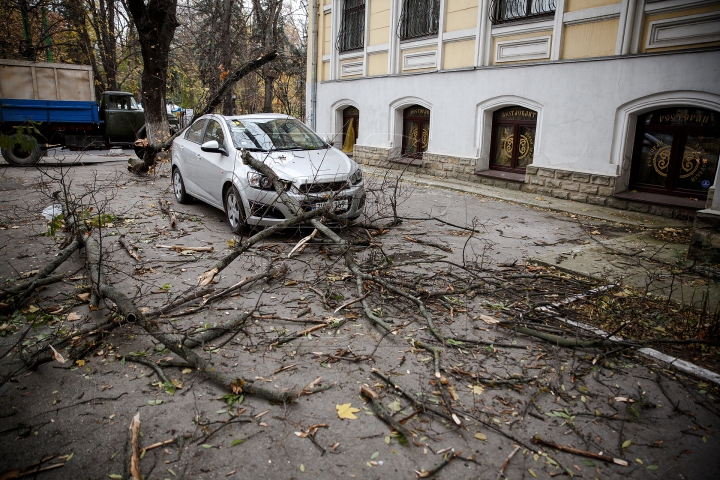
(518, 37)
(325, 71)
(379, 28)
(681, 13)
(377, 64)
(594, 39)
(459, 54)
(460, 14)
(573, 5)
(414, 50)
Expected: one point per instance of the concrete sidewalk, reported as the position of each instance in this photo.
(624, 217)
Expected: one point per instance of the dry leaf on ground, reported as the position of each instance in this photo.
(489, 320)
(346, 411)
(73, 316)
(207, 277)
(56, 355)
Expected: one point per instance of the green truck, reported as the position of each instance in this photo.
(53, 104)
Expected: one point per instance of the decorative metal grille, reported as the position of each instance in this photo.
(352, 27)
(509, 10)
(419, 18)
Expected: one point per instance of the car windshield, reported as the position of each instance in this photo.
(273, 134)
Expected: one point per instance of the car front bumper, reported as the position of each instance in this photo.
(264, 208)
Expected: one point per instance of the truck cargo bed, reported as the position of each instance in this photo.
(48, 111)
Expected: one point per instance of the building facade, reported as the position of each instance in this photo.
(599, 101)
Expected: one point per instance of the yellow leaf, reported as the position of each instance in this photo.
(476, 389)
(481, 436)
(346, 411)
(80, 363)
(187, 370)
(84, 297)
(32, 309)
(530, 471)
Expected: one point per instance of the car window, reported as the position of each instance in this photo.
(214, 131)
(119, 102)
(273, 134)
(193, 133)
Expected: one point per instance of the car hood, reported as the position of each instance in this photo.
(308, 166)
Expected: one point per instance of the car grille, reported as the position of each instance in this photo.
(323, 187)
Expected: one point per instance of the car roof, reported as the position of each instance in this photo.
(256, 116)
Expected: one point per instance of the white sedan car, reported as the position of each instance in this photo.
(207, 165)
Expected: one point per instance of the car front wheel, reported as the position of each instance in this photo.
(235, 211)
(179, 187)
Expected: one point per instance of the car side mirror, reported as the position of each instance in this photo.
(213, 147)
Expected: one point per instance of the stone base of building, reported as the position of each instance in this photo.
(564, 184)
(705, 242)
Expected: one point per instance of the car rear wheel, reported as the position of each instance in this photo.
(234, 209)
(179, 187)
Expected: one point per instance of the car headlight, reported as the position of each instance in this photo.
(356, 177)
(259, 181)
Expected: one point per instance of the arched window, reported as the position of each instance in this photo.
(676, 151)
(416, 131)
(351, 128)
(513, 139)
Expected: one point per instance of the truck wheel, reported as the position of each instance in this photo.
(19, 157)
(235, 211)
(179, 187)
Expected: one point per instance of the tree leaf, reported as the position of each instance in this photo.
(652, 467)
(115, 476)
(588, 463)
(530, 471)
(237, 441)
(154, 402)
(481, 436)
(395, 406)
(302, 467)
(345, 411)
(374, 455)
(626, 443)
(206, 445)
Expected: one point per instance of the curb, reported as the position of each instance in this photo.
(555, 205)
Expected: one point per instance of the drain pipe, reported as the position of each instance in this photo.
(312, 100)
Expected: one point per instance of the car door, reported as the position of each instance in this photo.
(213, 165)
(189, 155)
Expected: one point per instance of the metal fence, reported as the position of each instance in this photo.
(352, 27)
(502, 11)
(419, 18)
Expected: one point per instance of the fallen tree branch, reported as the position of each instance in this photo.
(383, 414)
(605, 458)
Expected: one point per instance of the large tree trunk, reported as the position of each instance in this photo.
(269, 93)
(156, 22)
(108, 42)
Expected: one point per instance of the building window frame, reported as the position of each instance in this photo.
(516, 151)
(351, 36)
(415, 116)
(419, 19)
(505, 11)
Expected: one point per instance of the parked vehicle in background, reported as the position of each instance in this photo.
(57, 102)
(207, 165)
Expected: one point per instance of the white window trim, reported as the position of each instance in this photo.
(484, 119)
(542, 53)
(626, 121)
(515, 29)
(657, 26)
(596, 14)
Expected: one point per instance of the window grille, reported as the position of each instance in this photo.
(419, 18)
(352, 27)
(509, 10)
